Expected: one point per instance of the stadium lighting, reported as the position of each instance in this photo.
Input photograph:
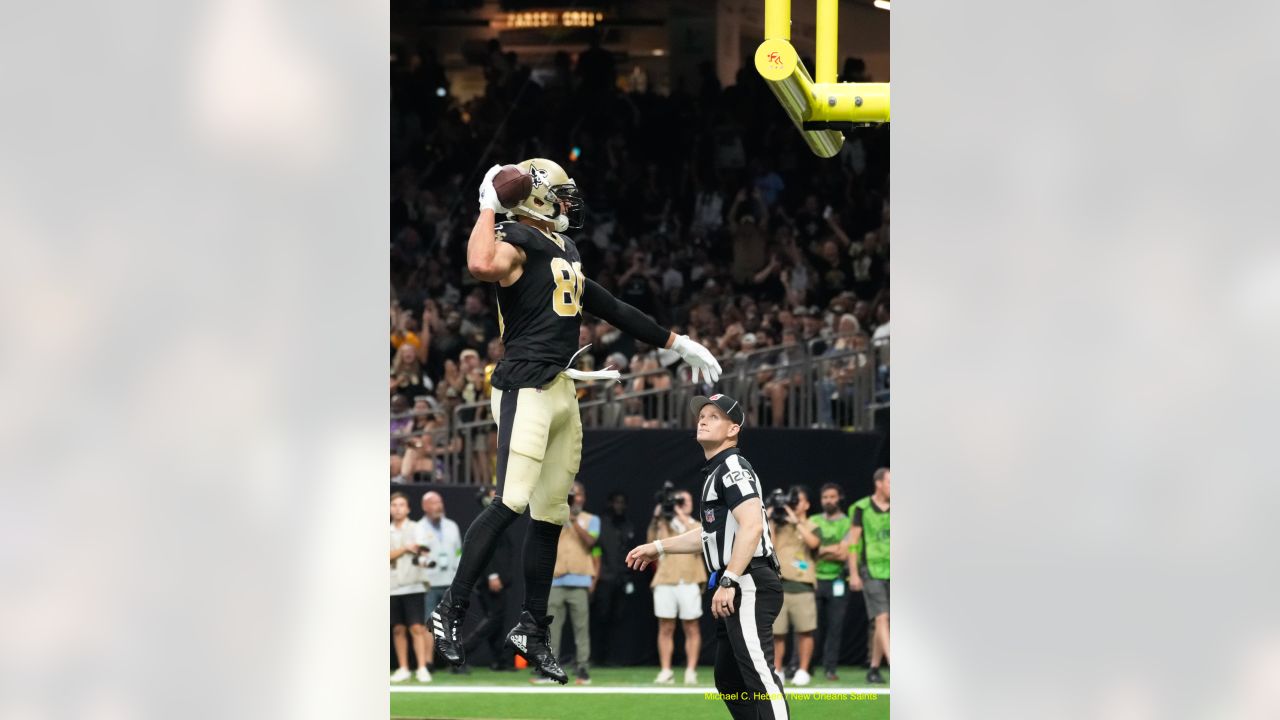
(441, 92)
(545, 18)
(882, 4)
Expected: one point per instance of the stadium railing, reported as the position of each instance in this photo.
(838, 389)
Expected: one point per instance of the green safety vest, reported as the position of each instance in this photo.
(830, 532)
(873, 550)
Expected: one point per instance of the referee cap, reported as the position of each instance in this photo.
(731, 407)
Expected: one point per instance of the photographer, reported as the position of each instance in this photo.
(408, 592)
(795, 540)
(677, 585)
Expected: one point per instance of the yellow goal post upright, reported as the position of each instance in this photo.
(820, 107)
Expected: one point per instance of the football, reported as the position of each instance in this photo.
(512, 185)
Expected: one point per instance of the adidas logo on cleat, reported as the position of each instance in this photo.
(519, 642)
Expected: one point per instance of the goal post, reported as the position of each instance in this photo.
(819, 108)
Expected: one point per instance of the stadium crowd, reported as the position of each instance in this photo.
(705, 209)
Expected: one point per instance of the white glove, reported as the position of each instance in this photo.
(698, 357)
(489, 196)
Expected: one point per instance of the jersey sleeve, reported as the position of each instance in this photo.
(737, 482)
(518, 234)
(855, 515)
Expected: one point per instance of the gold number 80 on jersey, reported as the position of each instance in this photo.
(566, 300)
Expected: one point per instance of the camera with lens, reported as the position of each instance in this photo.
(778, 502)
(667, 498)
(423, 557)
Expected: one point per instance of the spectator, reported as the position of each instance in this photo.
(677, 592)
(841, 373)
(404, 331)
(881, 335)
(476, 317)
(867, 266)
(406, 372)
(617, 537)
(443, 543)
(638, 286)
(745, 219)
(869, 566)
(795, 540)
(576, 571)
(401, 426)
(880, 339)
(833, 533)
(408, 593)
(788, 373)
(446, 343)
(417, 459)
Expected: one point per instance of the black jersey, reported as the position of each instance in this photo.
(539, 315)
(729, 481)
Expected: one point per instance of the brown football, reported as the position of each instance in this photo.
(512, 185)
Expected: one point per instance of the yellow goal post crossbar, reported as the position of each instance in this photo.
(819, 108)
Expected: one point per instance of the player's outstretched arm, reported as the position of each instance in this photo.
(597, 301)
(487, 259)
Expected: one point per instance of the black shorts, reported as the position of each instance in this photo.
(409, 609)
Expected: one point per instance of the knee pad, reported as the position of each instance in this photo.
(557, 514)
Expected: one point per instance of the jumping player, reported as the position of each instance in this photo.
(541, 297)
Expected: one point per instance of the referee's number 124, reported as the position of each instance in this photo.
(566, 300)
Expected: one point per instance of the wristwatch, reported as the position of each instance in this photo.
(728, 580)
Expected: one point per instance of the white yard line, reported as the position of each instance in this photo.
(614, 690)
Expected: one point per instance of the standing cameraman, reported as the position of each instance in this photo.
(795, 540)
(408, 593)
(677, 586)
(736, 547)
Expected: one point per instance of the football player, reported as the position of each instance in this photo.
(542, 294)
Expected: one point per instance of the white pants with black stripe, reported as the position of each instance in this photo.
(744, 650)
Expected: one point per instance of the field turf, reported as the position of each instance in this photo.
(618, 694)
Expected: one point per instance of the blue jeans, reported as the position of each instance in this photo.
(433, 599)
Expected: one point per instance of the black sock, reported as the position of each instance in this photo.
(539, 565)
(478, 546)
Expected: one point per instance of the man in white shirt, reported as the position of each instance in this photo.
(444, 540)
(407, 591)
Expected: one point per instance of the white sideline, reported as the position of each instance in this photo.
(615, 690)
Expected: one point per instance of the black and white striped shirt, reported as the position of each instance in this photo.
(728, 481)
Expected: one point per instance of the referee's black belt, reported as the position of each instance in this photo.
(761, 563)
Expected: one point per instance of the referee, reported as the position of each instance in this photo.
(738, 552)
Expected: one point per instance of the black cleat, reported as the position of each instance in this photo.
(873, 676)
(530, 639)
(445, 621)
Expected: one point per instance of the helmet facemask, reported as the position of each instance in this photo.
(575, 208)
(555, 198)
